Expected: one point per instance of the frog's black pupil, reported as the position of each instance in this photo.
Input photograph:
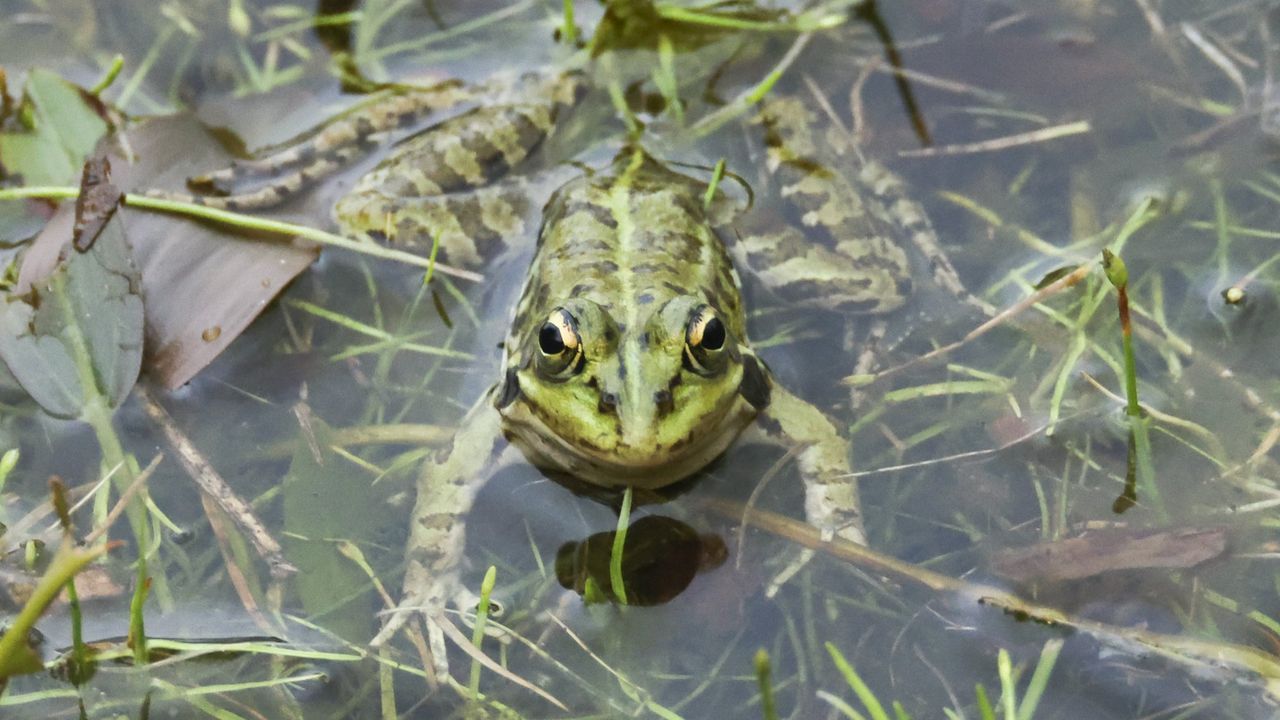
(549, 340)
(713, 334)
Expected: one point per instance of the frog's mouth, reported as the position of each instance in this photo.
(645, 465)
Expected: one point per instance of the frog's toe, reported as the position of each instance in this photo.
(394, 619)
(399, 616)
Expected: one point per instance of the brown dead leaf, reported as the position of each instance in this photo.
(1101, 551)
(195, 275)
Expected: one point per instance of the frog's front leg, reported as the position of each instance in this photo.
(447, 486)
(831, 501)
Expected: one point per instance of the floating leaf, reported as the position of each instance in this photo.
(78, 333)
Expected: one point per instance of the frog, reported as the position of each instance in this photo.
(628, 362)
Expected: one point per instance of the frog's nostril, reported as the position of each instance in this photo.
(663, 400)
(609, 403)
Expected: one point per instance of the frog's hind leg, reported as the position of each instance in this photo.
(450, 184)
(320, 153)
(892, 191)
(838, 249)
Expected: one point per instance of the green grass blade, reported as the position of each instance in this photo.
(864, 693)
(1039, 679)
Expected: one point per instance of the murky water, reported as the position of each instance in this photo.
(1035, 135)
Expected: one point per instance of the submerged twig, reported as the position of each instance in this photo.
(212, 484)
(1227, 661)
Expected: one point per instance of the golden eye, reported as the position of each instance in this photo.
(704, 339)
(559, 346)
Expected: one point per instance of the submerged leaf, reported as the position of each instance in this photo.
(1104, 551)
(204, 283)
(78, 333)
(65, 126)
(324, 503)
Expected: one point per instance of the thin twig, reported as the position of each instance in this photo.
(211, 483)
(124, 500)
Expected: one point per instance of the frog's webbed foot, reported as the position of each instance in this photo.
(320, 153)
(434, 598)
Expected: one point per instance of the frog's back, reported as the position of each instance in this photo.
(630, 239)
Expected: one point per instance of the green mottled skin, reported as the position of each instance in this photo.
(627, 270)
(630, 255)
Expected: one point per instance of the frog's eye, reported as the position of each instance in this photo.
(559, 345)
(704, 341)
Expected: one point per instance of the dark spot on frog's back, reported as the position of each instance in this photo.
(529, 132)
(600, 268)
(644, 299)
(770, 426)
(439, 521)
(599, 213)
(542, 294)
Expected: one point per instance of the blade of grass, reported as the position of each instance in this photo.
(616, 581)
(1008, 687)
(1039, 679)
(477, 632)
(864, 693)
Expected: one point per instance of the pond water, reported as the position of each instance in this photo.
(1126, 564)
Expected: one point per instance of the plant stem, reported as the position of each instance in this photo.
(568, 30)
(1118, 275)
(249, 222)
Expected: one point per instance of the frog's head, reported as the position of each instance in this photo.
(672, 387)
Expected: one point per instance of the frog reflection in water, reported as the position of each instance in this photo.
(660, 557)
(628, 361)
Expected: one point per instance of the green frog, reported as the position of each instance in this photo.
(628, 362)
